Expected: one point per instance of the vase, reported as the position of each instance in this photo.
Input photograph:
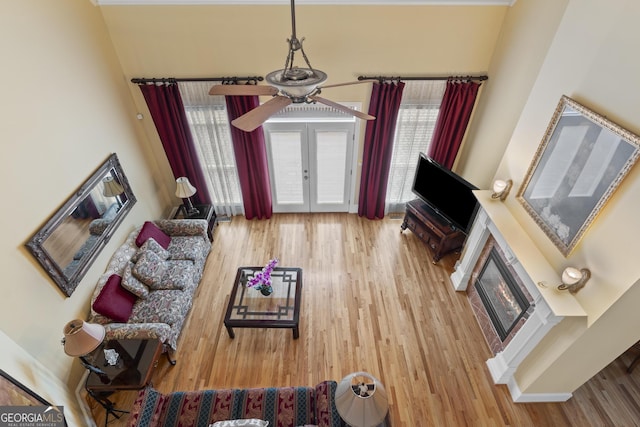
(266, 290)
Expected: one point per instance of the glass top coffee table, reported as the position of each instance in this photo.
(248, 308)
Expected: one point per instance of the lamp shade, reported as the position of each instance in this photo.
(112, 187)
(81, 338)
(184, 188)
(361, 400)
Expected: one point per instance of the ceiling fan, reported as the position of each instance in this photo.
(290, 85)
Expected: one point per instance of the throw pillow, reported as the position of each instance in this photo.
(132, 284)
(177, 275)
(149, 229)
(149, 269)
(250, 422)
(114, 301)
(151, 245)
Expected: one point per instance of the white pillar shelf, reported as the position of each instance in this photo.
(550, 304)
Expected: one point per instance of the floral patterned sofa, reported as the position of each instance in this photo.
(281, 407)
(148, 286)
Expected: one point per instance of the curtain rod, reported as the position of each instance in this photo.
(234, 79)
(383, 78)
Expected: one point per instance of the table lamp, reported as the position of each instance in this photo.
(185, 190)
(80, 339)
(112, 188)
(361, 400)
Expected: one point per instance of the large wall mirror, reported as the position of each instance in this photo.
(74, 235)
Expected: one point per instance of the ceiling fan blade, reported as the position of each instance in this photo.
(240, 90)
(348, 83)
(358, 114)
(253, 119)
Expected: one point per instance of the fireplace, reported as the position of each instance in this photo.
(499, 241)
(503, 299)
(499, 299)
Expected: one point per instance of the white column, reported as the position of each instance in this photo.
(472, 249)
(503, 366)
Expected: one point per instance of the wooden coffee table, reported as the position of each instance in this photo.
(248, 308)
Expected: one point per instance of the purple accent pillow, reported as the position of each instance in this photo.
(149, 229)
(114, 301)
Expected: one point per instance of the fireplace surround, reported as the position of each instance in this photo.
(495, 229)
(498, 298)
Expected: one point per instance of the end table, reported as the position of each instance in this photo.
(136, 360)
(206, 212)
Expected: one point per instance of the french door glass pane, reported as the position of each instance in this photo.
(287, 162)
(331, 155)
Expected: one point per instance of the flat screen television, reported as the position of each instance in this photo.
(446, 193)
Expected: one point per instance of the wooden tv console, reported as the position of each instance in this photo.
(431, 228)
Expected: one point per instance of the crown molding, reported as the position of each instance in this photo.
(310, 2)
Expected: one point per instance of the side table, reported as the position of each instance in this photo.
(137, 359)
(204, 212)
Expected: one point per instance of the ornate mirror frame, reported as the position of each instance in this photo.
(72, 238)
(580, 162)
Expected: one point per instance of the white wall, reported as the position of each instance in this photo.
(65, 108)
(528, 31)
(343, 41)
(27, 370)
(591, 61)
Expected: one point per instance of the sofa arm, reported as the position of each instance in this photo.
(147, 409)
(326, 411)
(98, 226)
(184, 227)
(160, 331)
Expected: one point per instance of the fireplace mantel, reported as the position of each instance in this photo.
(551, 306)
(508, 231)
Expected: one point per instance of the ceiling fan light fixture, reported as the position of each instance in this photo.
(289, 85)
(296, 82)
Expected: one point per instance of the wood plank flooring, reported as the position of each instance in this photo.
(372, 301)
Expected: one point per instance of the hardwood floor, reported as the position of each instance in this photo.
(372, 301)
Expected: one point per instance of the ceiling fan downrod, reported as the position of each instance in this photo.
(295, 44)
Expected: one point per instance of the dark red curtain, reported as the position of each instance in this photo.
(251, 159)
(167, 111)
(455, 111)
(378, 148)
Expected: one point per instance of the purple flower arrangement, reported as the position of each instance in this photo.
(262, 280)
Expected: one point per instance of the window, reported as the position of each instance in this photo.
(417, 117)
(209, 123)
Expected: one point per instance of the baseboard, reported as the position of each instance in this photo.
(518, 397)
(81, 395)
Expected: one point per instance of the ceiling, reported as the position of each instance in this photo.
(314, 2)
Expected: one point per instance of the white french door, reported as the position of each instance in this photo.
(310, 165)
